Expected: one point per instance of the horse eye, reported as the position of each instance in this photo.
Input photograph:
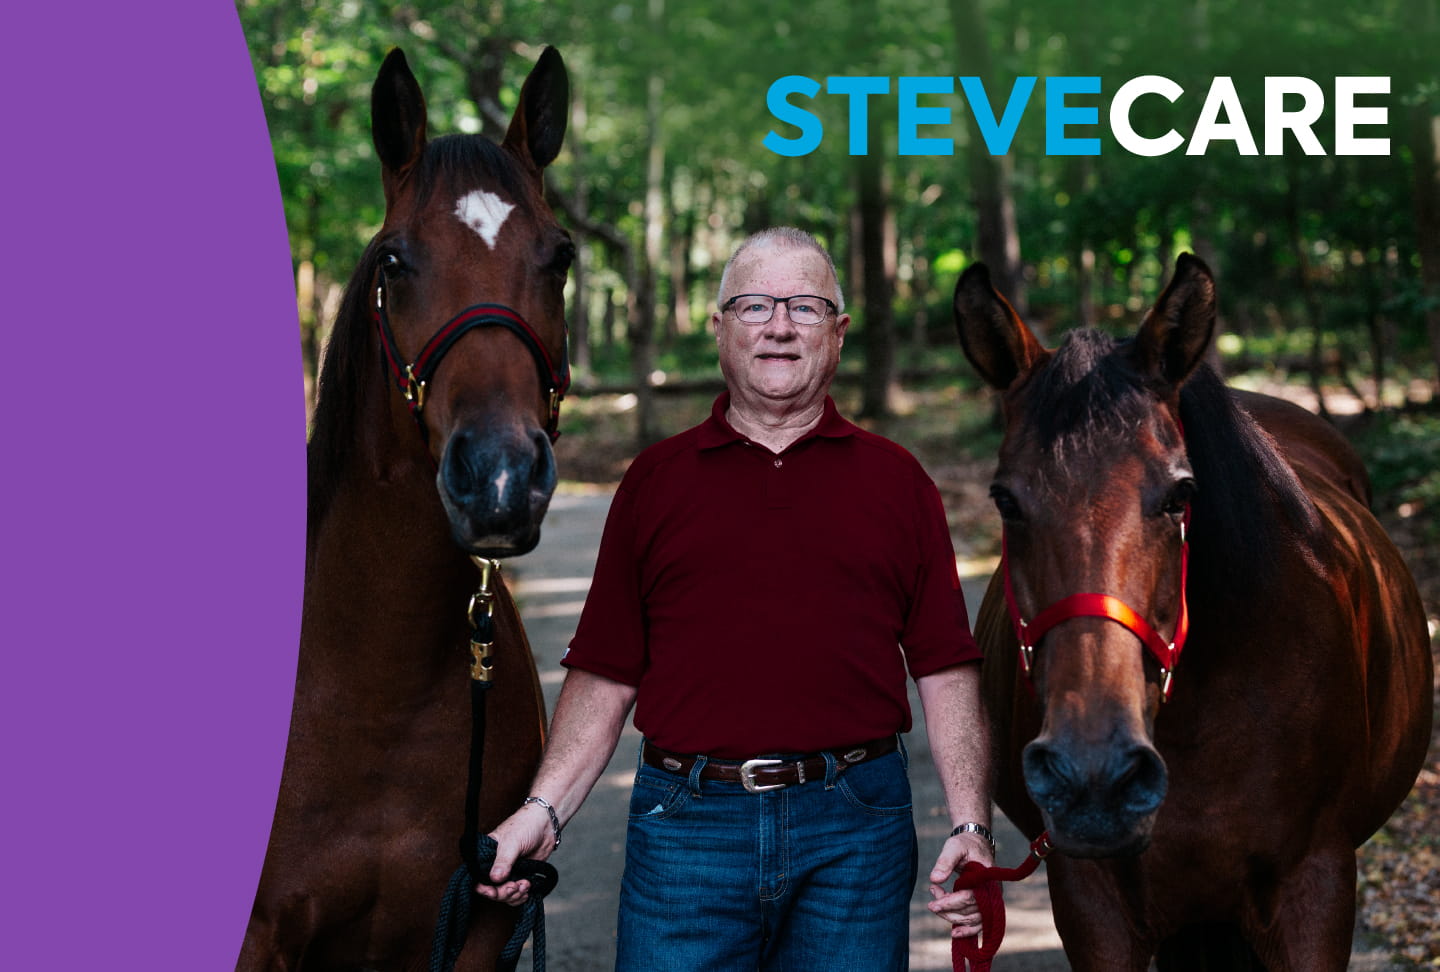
(390, 261)
(1006, 503)
(562, 259)
(1180, 496)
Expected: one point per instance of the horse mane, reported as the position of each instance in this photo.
(350, 351)
(1249, 503)
(352, 355)
(1248, 500)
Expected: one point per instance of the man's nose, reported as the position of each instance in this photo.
(780, 321)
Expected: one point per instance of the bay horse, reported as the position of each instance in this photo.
(431, 443)
(1205, 794)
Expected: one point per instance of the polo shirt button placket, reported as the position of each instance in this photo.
(779, 462)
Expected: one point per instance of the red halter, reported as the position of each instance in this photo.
(1167, 653)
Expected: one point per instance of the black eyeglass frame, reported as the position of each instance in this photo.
(833, 308)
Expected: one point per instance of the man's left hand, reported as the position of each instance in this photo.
(959, 907)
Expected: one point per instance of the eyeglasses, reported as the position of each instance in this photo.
(804, 309)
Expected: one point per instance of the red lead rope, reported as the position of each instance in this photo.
(976, 953)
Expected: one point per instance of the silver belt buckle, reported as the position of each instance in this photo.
(747, 775)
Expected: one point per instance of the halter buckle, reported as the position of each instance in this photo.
(414, 390)
(481, 668)
(555, 397)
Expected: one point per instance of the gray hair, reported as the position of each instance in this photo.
(779, 237)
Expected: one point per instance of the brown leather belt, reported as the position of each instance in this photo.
(760, 775)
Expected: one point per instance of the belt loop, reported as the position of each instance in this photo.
(904, 752)
(695, 771)
(831, 772)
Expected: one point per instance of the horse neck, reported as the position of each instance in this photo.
(386, 588)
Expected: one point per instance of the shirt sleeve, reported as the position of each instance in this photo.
(610, 638)
(937, 630)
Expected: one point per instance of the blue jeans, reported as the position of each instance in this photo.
(812, 877)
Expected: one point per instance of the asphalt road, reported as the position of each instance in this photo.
(550, 585)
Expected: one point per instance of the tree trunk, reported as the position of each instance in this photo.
(1313, 314)
(877, 254)
(998, 237)
(643, 321)
(579, 310)
(607, 319)
(1425, 147)
(682, 237)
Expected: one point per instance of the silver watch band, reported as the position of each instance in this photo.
(976, 828)
(554, 818)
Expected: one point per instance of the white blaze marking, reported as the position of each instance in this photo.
(500, 482)
(484, 212)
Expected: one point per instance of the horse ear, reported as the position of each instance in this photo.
(992, 335)
(397, 115)
(538, 125)
(1176, 333)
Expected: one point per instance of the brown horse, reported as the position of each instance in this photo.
(371, 803)
(1215, 829)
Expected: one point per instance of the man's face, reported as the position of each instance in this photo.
(780, 362)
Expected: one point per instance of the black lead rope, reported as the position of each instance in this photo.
(477, 850)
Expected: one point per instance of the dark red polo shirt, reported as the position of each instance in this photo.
(772, 603)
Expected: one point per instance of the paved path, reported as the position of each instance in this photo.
(550, 585)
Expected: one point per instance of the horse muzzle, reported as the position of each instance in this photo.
(495, 489)
(1099, 800)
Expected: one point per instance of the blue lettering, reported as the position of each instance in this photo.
(997, 136)
(812, 130)
(912, 116)
(1058, 115)
(858, 89)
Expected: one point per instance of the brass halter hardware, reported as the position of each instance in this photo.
(482, 620)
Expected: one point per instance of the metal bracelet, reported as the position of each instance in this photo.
(976, 828)
(555, 819)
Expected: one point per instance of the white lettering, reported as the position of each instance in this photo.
(1348, 115)
(1277, 119)
(1125, 134)
(1209, 128)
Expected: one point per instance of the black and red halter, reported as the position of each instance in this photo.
(412, 379)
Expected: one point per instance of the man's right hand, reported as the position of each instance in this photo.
(525, 833)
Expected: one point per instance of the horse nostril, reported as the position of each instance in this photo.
(461, 467)
(542, 475)
(1140, 780)
(1050, 775)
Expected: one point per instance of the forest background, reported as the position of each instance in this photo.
(1328, 266)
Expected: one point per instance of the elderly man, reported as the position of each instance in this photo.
(764, 583)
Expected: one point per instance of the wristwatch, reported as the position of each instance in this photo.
(554, 819)
(976, 828)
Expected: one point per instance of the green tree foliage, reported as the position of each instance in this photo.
(1326, 263)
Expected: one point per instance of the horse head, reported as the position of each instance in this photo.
(470, 268)
(1093, 486)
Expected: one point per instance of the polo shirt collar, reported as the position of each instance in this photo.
(716, 431)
